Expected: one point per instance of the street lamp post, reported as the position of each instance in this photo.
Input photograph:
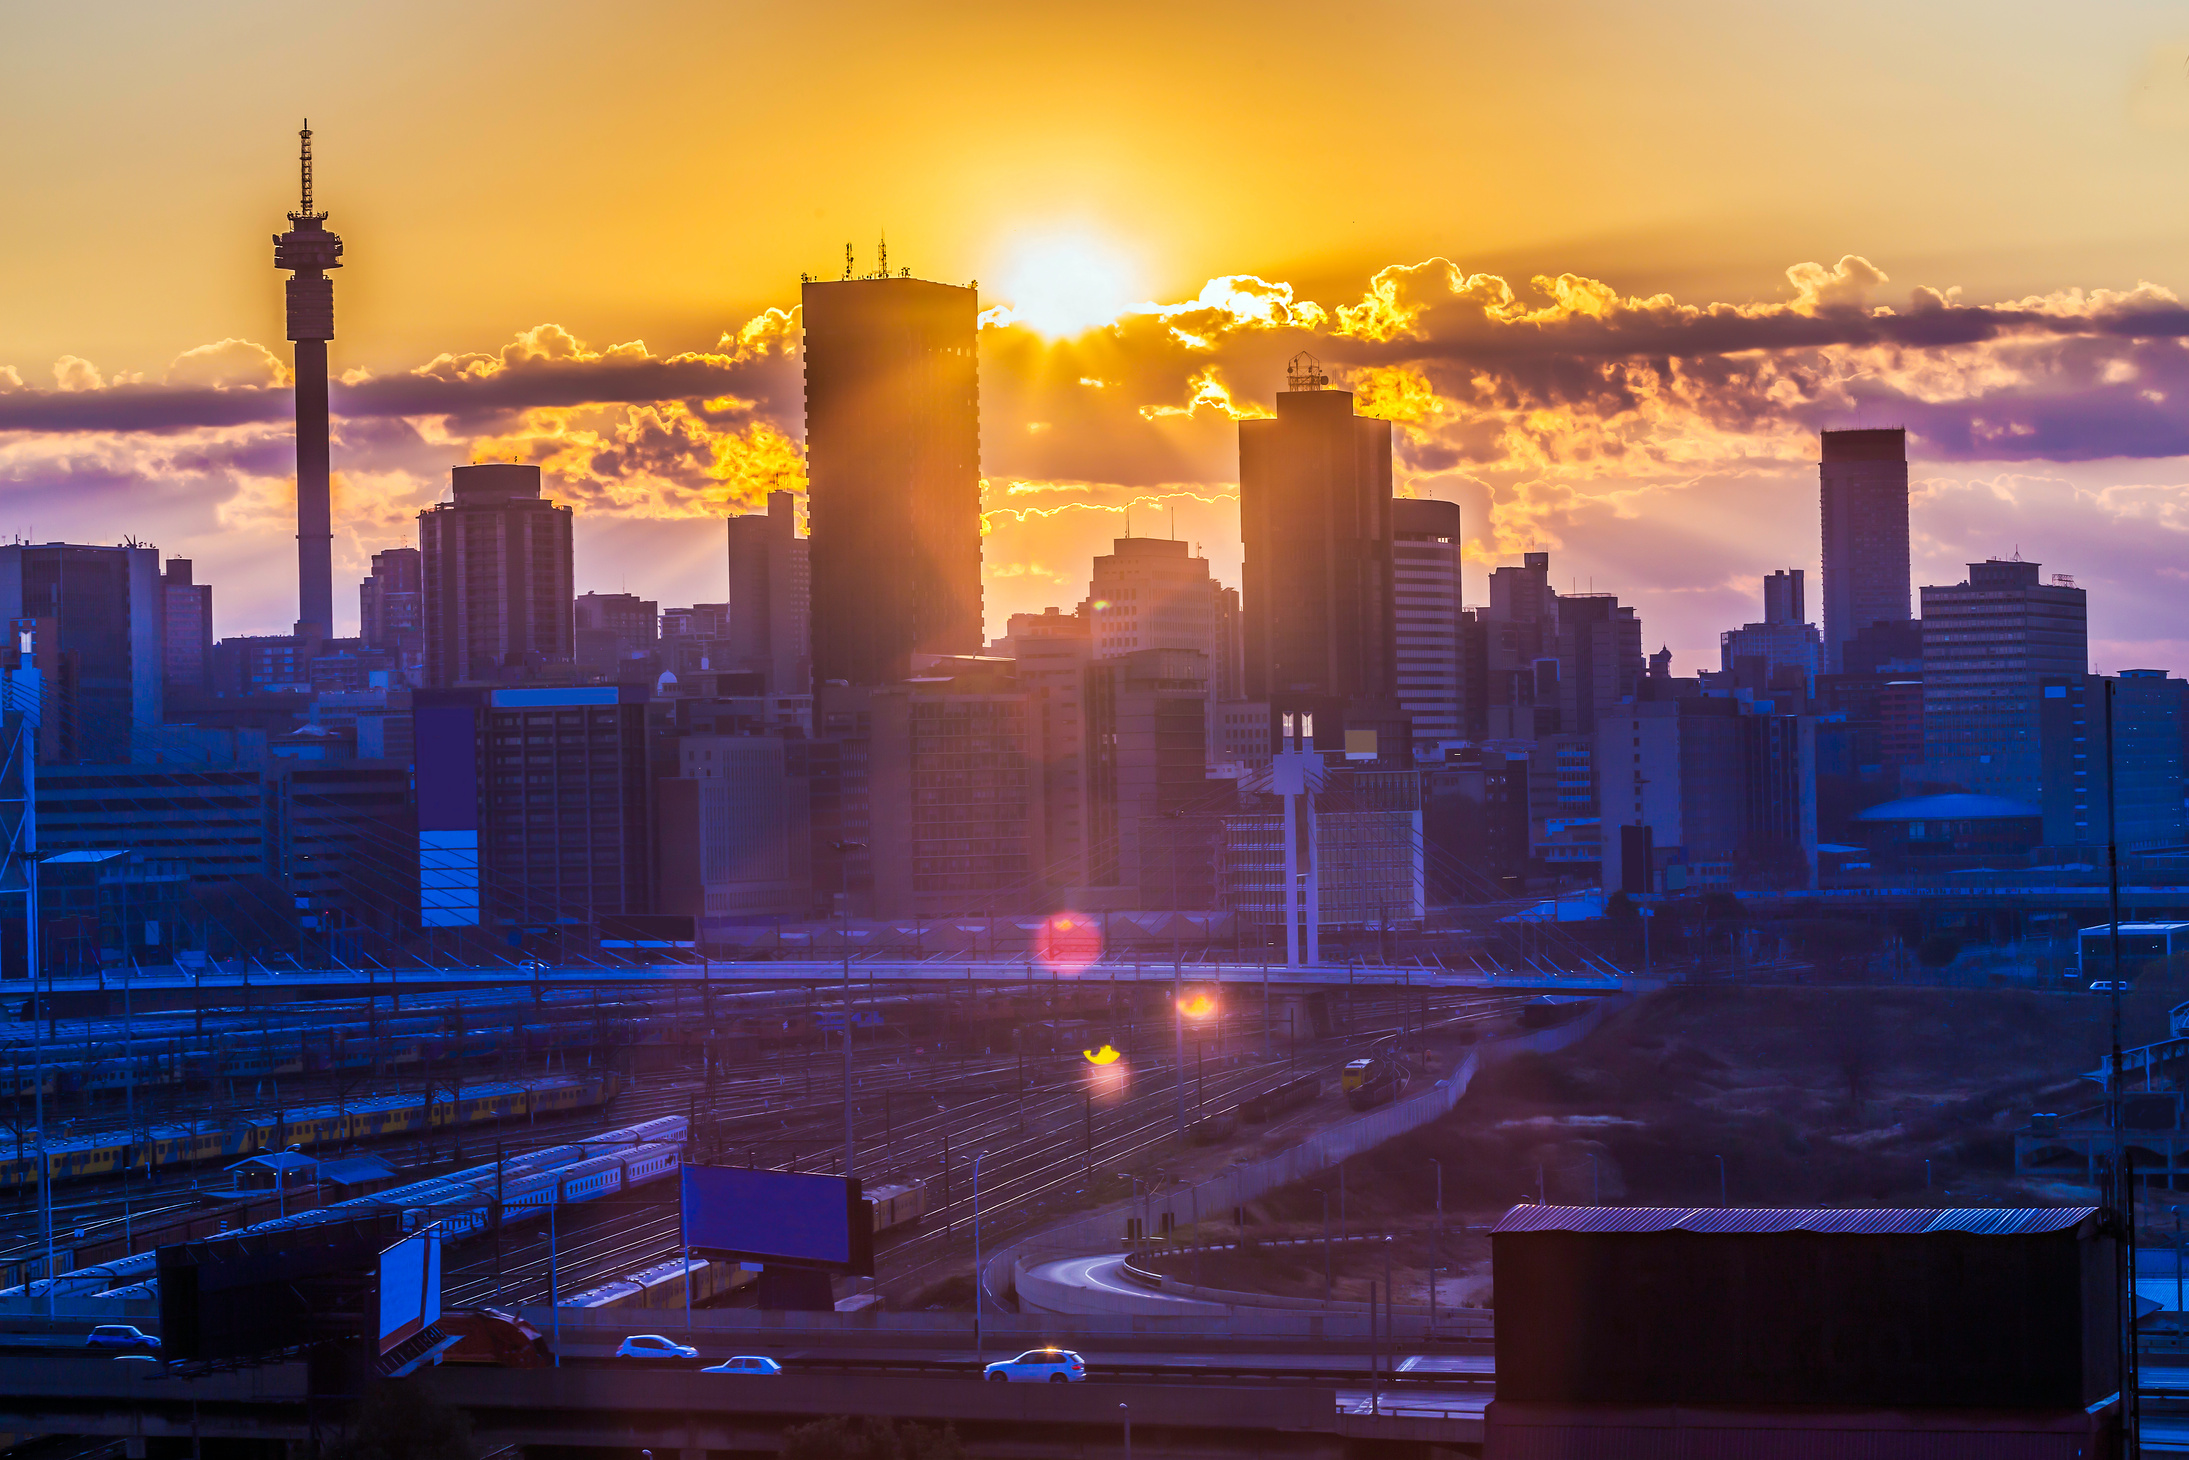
(1178, 1026)
(1436, 1243)
(554, 1295)
(847, 1061)
(979, 1350)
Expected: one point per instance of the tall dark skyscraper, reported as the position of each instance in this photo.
(893, 460)
(1316, 588)
(1864, 491)
(308, 250)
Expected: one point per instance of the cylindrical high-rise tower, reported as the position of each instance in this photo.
(309, 250)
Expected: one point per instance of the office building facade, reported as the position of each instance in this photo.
(1700, 793)
(1050, 652)
(893, 468)
(1989, 643)
(1518, 633)
(609, 630)
(187, 632)
(1784, 640)
(497, 577)
(735, 830)
(2144, 766)
(1150, 593)
(1147, 726)
(534, 806)
(1863, 497)
(391, 603)
(1425, 563)
(953, 793)
(771, 597)
(1316, 587)
(100, 615)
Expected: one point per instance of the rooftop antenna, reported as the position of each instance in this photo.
(304, 209)
(881, 256)
(847, 260)
(1305, 372)
(1174, 522)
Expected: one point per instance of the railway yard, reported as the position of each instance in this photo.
(481, 1104)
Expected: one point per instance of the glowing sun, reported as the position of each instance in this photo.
(1064, 285)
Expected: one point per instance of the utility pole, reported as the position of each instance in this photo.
(2124, 1188)
(1178, 1027)
(847, 1066)
(979, 1350)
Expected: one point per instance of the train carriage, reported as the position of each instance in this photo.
(84, 1157)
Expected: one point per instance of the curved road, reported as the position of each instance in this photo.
(1103, 1279)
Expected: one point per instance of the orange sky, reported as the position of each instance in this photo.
(662, 173)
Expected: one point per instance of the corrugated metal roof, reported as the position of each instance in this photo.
(283, 1160)
(355, 1168)
(1989, 1221)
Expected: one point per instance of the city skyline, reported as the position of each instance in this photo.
(1582, 382)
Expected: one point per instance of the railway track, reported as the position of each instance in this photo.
(1037, 1155)
(790, 1102)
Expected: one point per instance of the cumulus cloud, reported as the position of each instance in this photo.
(72, 373)
(228, 365)
(1661, 444)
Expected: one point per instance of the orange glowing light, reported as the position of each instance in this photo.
(1199, 1006)
(1103, 1056)
(1069, 941)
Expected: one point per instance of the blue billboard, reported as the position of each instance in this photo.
(781, 1217)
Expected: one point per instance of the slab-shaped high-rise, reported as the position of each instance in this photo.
(1425, 561)
(1863, 492)
(309, 250)
(1316, 589)
(893, 470)
(1990, 643)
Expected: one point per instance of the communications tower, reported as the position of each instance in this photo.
(308, 250)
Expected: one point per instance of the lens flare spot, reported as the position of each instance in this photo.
(1107, 1055)
(1197, 1006)
(1068, 941)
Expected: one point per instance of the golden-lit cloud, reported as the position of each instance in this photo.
(228, 365)
(1207, 392)
(1655, 438)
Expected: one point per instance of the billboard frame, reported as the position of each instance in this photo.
(429, 1290)
(858, 1223)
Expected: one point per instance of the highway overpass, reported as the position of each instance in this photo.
(689, 1415)
(937, 972)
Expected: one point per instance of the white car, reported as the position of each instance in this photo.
(745, 1364)
(1039, 1366)
(654, 1346)
(2108, 986)
(119, 1335)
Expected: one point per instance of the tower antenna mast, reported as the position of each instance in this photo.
(305, 136)
(307, 251)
